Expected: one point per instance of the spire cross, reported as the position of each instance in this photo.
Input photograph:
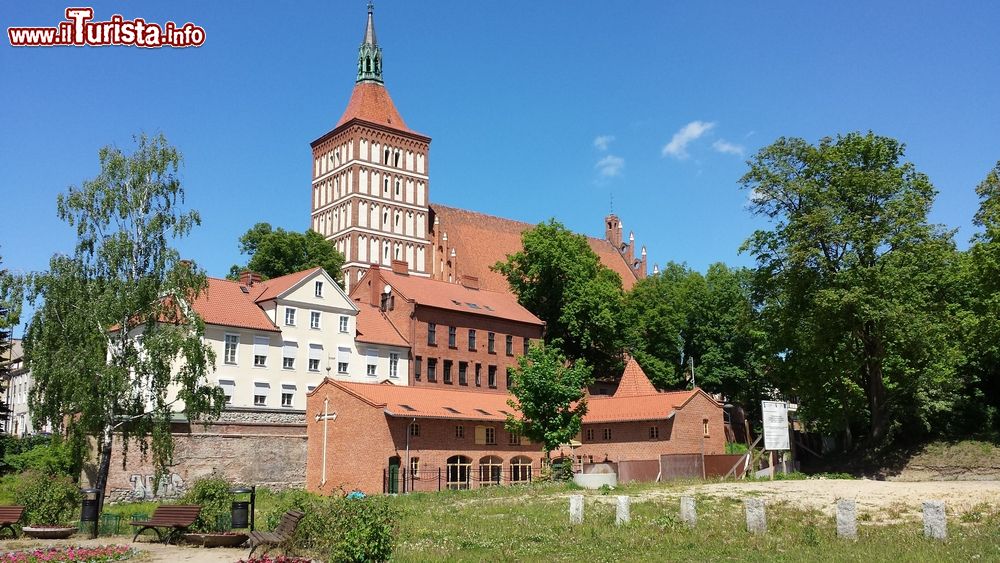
(371, 6)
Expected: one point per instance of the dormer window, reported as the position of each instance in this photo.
(319, 289)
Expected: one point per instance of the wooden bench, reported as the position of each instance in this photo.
(172, 519)
(10, 515)
(281, 535)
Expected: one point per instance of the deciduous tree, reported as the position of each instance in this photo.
(277, 252)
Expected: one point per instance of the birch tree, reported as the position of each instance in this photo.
(113, 346)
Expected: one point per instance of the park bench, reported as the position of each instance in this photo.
(282, 534)
(10, 515)
(173, 519)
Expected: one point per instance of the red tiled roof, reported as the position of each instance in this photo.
(370, 102)
(374, 327)
(424, 402)
(270, 289)
(224, 303)
(456, 297)
(634, 382)
(483, 240)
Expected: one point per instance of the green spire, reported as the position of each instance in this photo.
(370, 54)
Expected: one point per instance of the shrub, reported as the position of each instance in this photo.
(52, 458)
(359, 529)
(736, 448)
(212, 493)
(562, 469)
(48, 499)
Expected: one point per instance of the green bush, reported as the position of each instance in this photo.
(48, 499)
(212, 493)
(52, 458)
(736, 448)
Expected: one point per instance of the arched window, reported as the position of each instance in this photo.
(397, 189)
(397, 159)
(385, 218)
(490, 471)
(520, 469)
(386, 160)
(385, 187)
(459, 471)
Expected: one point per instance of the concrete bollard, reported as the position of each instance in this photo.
(756, 519)
(689, 514)
(624, 512)
(576, 509)
(935, 522)
(847, 519)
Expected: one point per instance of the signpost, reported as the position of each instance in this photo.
(775, 415)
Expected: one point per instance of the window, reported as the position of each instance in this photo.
(289, 316)
(315, 355)
(431, 334)
(260, 344)
(490, 470)
(229, 389)
(414, 429)
(491, 435)
(447, 372)
(520, 469)
(515, 439)
(372, 369)
(491, 377)
(459, 431)
(479, 374)
(343, 360)
(510, 345)
(232, 342)
(414, 467)
(472, 339)
(288, 352)
(343, 323)
(590, 434)
(260, 390)
(393, 364)
(527, 344)
(704, 424)
(654, 432)
(314, 319)
(286, 399)
(432, 370)
(491, 344)
(416, 367)
(463, 369)
(288, 363)
(319, 289)
(607, 433)
(452, 331)
(458, 470)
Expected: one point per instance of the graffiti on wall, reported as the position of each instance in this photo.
(144, 487)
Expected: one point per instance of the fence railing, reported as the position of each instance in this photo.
(429, 479)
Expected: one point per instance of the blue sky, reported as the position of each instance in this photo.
(536, 109)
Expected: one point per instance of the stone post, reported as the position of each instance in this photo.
(576, 509)
(624, 512)
(935, 523)
(689, 514)
(847, 519)
(756, 519)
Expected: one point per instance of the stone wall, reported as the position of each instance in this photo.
(267, 449)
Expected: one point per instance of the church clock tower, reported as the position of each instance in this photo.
(370, 177)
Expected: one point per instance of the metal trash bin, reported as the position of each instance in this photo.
(241, 514)
(91, 505)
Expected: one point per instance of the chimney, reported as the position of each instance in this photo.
(469, 282)
(249, 278)
(375, 285)
(401, 267)
(612, 230)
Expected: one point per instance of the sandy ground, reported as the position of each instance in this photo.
(154, 552)
(884, 501)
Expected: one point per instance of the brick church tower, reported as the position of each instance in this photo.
(370, 177)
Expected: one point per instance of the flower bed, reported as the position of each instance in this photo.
(72, 554)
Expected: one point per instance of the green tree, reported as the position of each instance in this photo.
(10, 308)
(559, 278)
(277, 252)
(112, 329)
(549, 393)
(854, 284)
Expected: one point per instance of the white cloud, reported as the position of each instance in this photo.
(601, 142)
(725, 147)
(677, 147)
(610, 165)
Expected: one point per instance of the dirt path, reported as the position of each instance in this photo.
(154, 552)
(883, 500)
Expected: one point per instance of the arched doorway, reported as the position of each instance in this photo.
(520, 469)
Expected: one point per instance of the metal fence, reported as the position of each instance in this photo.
(455, 477)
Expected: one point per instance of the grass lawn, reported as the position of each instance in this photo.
(512, 524)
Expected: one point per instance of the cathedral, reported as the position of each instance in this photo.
(371, 197)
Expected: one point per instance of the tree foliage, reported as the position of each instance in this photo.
(559, 278)
(112, 329)
(549, 393)
(10, 309)
(854, 285)
(277, 252)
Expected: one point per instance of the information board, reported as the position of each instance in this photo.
(775, 425)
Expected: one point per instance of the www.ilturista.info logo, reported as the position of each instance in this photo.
(78, 30)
